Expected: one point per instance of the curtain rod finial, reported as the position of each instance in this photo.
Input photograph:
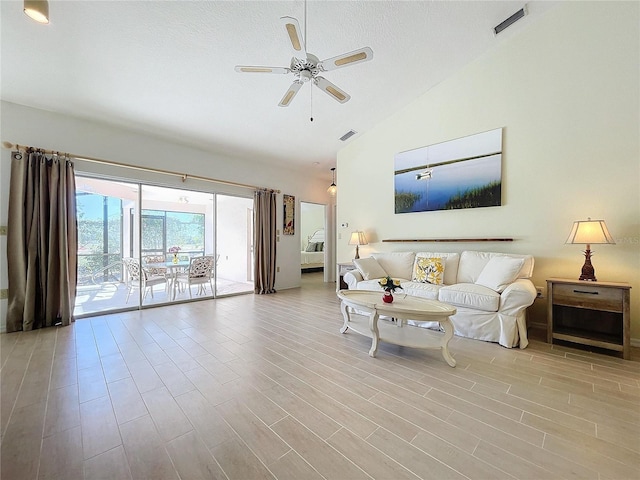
(7, 144)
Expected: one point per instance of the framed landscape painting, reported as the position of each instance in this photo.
(461, 173)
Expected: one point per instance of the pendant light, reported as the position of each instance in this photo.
(37, 10)
(333, 188)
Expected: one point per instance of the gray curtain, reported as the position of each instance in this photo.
(42, 241)
(264, 241)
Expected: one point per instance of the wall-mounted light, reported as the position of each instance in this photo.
(333, 188)
(37, 10)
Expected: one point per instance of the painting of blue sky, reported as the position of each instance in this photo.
(461, 173)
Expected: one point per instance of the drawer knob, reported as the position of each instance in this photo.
(584, 291)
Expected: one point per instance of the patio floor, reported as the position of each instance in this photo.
(112, 296)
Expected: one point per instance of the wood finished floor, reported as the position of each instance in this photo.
(262, 387)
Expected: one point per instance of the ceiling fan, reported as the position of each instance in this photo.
(307, 68)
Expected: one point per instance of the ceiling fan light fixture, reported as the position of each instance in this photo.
(37, 10)
(306, 67)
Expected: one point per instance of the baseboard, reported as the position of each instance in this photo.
(635, 342)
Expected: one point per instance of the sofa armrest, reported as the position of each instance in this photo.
(517, 296)
(352, 278)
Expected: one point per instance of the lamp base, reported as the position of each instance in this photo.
(588, 272)
(357, 253)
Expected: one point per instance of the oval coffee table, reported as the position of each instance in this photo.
(404, 307)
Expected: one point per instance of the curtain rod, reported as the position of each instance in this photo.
(183, 176)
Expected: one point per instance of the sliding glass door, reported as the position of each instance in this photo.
(104, 239)
(142, 245)
(234, 239)
(177, 231)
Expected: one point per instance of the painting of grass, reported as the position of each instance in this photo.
(461, 173)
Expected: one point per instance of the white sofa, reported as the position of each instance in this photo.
(491, 291)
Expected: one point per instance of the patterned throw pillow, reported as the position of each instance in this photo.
(428, 270)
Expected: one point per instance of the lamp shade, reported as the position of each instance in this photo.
(358, 238)
(590, 232)
(37, 10)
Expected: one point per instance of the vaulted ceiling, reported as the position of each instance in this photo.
(167, 67)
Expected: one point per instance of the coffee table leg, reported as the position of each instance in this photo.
(373, 326)
(345, 314)
(448, 335)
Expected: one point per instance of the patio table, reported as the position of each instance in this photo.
(173, 269)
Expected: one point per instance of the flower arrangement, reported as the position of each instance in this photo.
(389, 284)
(174, 249)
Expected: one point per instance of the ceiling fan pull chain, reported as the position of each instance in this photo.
(311, 104)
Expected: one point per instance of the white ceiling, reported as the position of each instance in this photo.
(167, 67)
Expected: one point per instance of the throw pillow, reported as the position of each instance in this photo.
(311, 247)
(369, 268)
(320, 247)
(428, 270)
(499, 272)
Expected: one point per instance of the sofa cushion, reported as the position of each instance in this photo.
(470, 295)
(500, 272)
(369, 268)
(472, 263)
(311, 247)
(428, 270)
(420, 289)
(451, 261)
(396, 264)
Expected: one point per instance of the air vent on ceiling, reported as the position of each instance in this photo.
(348, 135)
(510, 21)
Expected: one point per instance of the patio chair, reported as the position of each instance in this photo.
(155, 270)
(214, 262)
(138, 277)
(200, 273)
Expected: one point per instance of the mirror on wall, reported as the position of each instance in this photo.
(313, 245)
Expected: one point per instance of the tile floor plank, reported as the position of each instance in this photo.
(325, 459)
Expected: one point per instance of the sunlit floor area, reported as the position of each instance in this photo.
(266, 387)
(103, 297)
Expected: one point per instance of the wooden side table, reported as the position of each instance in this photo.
(342, 269)
(589, 313)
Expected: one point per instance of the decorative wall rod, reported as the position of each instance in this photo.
(183, 176)
(426, 240)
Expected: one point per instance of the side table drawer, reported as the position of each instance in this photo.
(586, 296)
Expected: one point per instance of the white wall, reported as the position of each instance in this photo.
(566, 92)
(38, 128)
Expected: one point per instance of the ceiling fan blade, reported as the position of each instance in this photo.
(254, 69)
(293, 89)
(331, 90)
(295, 36)
(357, 56)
